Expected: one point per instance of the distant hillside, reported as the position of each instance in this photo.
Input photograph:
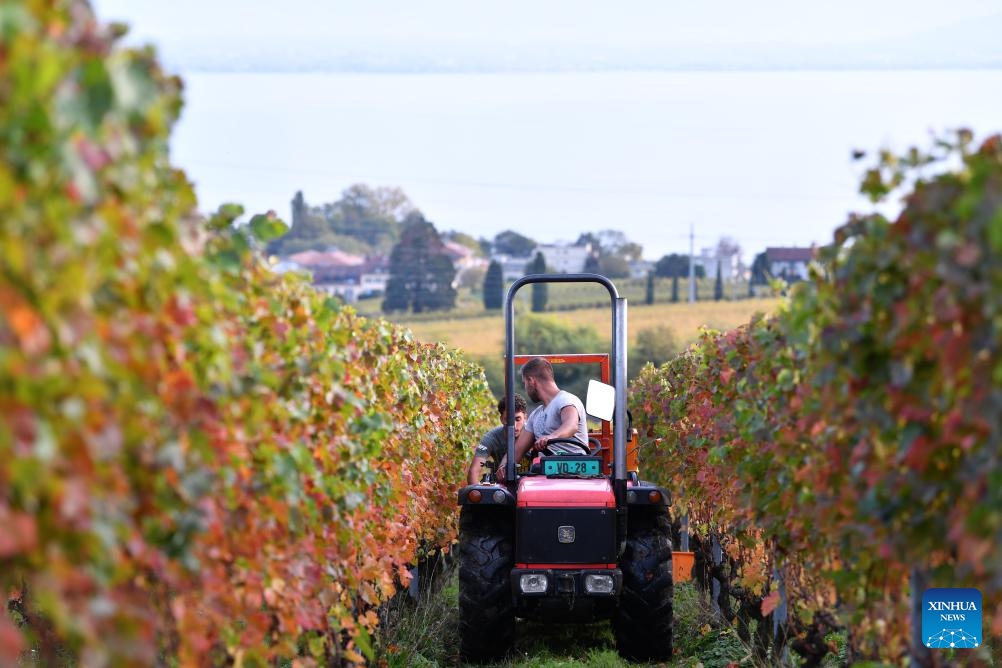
(965, 44)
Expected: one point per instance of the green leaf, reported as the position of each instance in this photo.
(267, 226)
(995, 231)
(365, 643)
(225, 215)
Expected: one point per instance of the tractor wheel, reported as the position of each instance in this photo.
(643, 623)
(486, 606)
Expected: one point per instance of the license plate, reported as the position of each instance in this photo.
(571, 466)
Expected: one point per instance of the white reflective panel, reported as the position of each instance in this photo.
(599, 584)
(533, 583)
(600, 400)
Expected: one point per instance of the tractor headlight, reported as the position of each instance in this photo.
(533, 583)
(599, 584)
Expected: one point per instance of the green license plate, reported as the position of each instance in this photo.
(570, 466)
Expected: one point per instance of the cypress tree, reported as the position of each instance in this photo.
(540, 292)
(421, 273)
(493, 286)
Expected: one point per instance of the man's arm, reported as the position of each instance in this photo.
(475, 472)
(568, 427)
(522, 445)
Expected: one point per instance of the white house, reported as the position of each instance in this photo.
(564, 258)
(640, 268)
(709, 258)
(512, 268)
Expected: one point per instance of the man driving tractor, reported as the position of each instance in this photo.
(561, 415)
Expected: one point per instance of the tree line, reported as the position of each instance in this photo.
(383, 221)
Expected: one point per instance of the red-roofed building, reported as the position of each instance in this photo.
(789, 263)
(343, 274)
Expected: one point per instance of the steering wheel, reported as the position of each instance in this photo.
(596, 445)
(557, 441)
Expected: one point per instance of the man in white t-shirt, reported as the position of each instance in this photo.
(561, 415)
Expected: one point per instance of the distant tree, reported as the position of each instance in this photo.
(718, 285)
(631, 252)
(613, 266)
(760, 269)
(421, 273)
(727, 247)
(674, 289)
(493, 286)
(513, 243)
(672, 265)
(364, 220)
(464, 239)
(729, 251)
(471, 278)
(649, 296)
(589, 239)
(486, 246)
(536, 334)
(656, 345)
(611, 243)
(308, 230)
(540, 292)
(372, 215)
(438, 293)
(591, 264)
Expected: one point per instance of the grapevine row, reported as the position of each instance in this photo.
(853, 442)
(200, 461)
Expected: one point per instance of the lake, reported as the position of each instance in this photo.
(763, 157)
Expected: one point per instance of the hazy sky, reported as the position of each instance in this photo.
(177, 25)
(761, 156)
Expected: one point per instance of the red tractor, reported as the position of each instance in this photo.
(577, 537)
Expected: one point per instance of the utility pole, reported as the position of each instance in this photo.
(692, 264)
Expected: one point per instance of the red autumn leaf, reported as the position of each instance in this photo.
(11, 642)
(770, 603)
(18, 533)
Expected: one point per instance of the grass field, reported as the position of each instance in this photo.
(484, 335)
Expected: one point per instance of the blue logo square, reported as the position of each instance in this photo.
(951, 618)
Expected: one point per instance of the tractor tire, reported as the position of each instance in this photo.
(643, 624)
(486, 605)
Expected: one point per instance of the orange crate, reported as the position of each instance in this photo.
(682, 565)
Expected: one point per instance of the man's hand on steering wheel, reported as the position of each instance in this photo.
(540, 444)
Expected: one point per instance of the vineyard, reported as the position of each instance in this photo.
(203, 463)
(846, 454)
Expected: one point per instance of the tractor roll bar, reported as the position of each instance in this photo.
(618, 364)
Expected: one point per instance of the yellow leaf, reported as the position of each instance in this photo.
(354, 657)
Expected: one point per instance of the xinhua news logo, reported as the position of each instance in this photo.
(951, 618)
